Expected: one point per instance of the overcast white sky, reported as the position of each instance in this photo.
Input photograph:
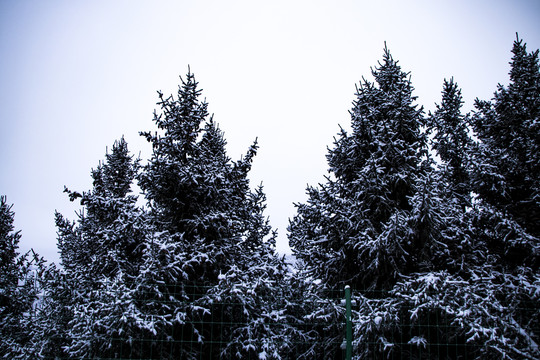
(77, 75)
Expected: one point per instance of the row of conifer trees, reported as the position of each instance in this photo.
(433, 220)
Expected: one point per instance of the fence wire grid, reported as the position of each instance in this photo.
(323, 328)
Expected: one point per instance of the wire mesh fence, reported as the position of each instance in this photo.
(194, 323)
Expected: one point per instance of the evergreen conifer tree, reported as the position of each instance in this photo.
(368, 224)
(508, 172)
(105, 240)
(151, 284)
(18, 289)
(483, 299)
(353, 229)
(203, 208)
(426, 277)
(101, 254)
(451, 141)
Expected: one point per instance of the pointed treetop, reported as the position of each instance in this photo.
(389, 75)
(180, 119)
(114, 176)
(524, 72)
(8, 239)
(451, 96)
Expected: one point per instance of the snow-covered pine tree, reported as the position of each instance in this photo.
(344, 230)
(18, 289)
(451, 141)
(101, 254)
(508, 172)
(203, 208)
(505, 175)
(360, 228)
(474, 299)
(399, 231)
(105, 240)
(170, 186)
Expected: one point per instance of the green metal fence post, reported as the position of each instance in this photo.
(349, 324)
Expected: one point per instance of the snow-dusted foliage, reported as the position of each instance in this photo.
(451, 141)
(507, 173)
(202, 203)
(353, 229)
(101, 255)
(107, 236)
(371, 221)
(18, 289)
(479, 314)
(53, 314)
(436, 274)
(442, 256)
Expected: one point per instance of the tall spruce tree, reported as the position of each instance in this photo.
(505, 218)
(353, 229)
(452, 142)
(101, 254)
(105, 240)
(370, 222)
(18, 289)
(195, 276)
(508, 175)
(203, 208)
(426, 281)
(483, 300)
